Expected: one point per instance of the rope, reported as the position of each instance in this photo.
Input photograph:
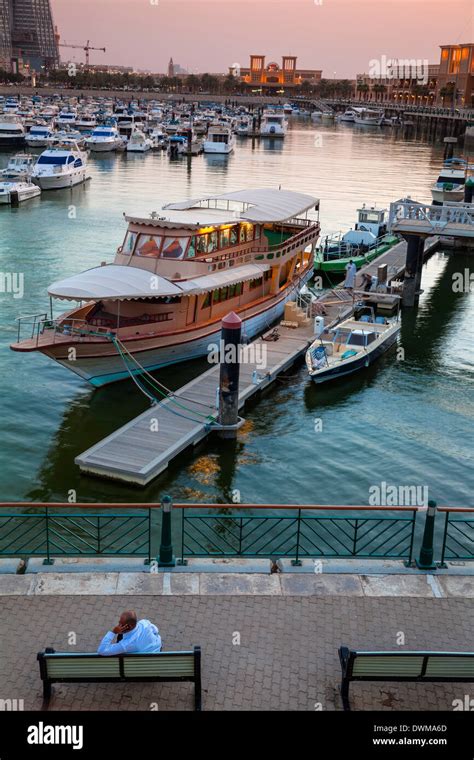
(209, 419)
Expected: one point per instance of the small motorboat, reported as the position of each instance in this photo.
(350, 346)
(14, 191)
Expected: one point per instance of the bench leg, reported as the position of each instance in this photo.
(345, 693)
(47, 690)
(197, 696)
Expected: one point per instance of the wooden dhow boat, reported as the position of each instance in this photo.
(179, 271)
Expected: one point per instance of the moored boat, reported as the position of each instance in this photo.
(179, 271)
(350, 346)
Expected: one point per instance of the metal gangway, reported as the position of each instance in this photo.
(408, 217)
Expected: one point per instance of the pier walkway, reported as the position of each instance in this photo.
(395, 258)
(143, 448)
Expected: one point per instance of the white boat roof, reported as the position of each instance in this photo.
(259, 205)
(117, 282)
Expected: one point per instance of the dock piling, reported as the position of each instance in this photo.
(229, 375)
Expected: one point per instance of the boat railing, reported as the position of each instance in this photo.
(79, 328)
(355, 249)
(306, 236)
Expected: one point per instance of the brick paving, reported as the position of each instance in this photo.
(287, 657)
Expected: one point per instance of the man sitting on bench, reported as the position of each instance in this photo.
(133, 636)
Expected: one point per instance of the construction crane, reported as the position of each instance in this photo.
(85, 47)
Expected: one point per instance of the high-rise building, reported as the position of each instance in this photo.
(5, 34)
(171, 68)
(27, 35)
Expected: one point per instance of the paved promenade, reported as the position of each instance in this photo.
(261, 649)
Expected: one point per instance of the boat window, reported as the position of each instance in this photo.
(242, 234)
(52, 159)
(129, 243)
(368, 217)
(248, 232)
(191, 248)
(224, 238)
(212, 242)
(255, 283)
(70, 160)
(234, 235)
(148, 246)
(207, 301)
(174, 247)
(202, 243)
(257, 232)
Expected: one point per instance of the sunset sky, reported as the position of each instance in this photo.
(339, 36)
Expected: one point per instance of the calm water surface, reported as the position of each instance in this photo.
(403, 422)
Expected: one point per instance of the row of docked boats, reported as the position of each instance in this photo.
(106, 125)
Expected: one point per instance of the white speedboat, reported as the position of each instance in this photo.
(220, 139)
(273, 124)
(104, 139)
(244, 126)
(86, 123)
(349, 347)
(14, 191)
(368, 117)
(12, 131)
(19, 166)
(158, 139)
(60, 167)
(138, 142)
(450, 184)
(38, 136)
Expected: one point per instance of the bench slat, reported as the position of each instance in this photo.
(83, 666)
(387, 666)
(172, 666)
(450, 667)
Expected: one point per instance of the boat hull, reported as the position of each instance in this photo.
(102, 370)
(59, 182)
(338, 265)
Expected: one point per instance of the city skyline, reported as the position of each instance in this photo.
(308, 29)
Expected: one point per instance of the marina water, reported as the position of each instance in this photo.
(301, 443)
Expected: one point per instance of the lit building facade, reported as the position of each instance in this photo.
(456, 75)
(400, 89)
(273, 75)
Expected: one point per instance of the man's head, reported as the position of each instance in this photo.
(128, 619)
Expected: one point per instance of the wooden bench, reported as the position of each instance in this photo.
(420, 667)
(67, 667)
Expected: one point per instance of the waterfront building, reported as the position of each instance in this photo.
(28, 40)
(274, 76)
(455, 85)
(405, 87)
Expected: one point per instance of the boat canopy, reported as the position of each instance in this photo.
(113, 282)
(260, 205)
(116, 282)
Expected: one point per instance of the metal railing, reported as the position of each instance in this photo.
(51, 532)
(458, 535)
(229, 530)
(437, 217)
(369, 532)
(64, 326)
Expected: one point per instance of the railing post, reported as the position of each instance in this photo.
(98, 534)
(181, 560)
(445, 538)
(165, 557)
(425, 561)
(48, 560)
(296, 562)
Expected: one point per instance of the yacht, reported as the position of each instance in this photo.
(19, 166)
(62, 166)
(368, 117)
(158, 139)
(66, 119)
(86, 123)
(244, 126)
(138, 142)
(105, 139)
(178, 272)
(349, 115)
(450, 184)
(220, 139)
(350, 346)
(38, 136)
(12, 131)
(273, 124)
